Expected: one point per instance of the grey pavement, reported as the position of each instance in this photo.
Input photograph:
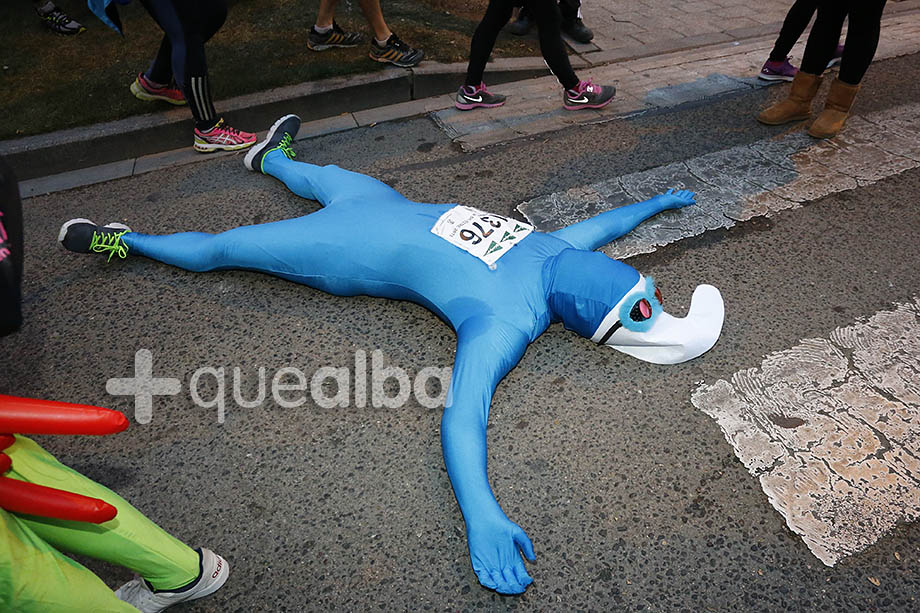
(663, 23)
(632, 496)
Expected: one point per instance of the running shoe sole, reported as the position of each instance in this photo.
(340, 39)
(61, 32)
(476, 105)
(212, 147)
(255, 151)
(324, 46)
(774, 77)
(400, 62)
(596, 105)
(142, 94)
(587, 106)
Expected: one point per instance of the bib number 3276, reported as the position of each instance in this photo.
(486, 236)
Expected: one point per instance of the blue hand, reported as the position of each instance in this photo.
(495, 551)
(676, 199)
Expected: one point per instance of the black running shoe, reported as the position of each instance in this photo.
(587, 95)
(396, 52)
(475, 96)
(578, 30)
(280, 136)
(336, 37)
(83, 236)
(58, 21)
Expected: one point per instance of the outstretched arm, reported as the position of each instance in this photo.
(486, 351)
(601, 229)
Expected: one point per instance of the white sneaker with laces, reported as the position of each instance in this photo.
(213, 574)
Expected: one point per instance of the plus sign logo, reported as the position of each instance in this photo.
(143, 386)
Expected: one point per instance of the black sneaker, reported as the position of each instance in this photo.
(336, 37)
(279, 137)
(522, 25)
(83, 236)
(578, 30)
(470, 97)
(587, 95)
(57, 20)
(396, 52)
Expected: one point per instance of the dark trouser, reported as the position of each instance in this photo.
(546, 16)
(569, 10)
(188, 25)
(865, 18)
(10, 252)
(795, 23)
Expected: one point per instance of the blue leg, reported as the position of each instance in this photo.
(280, 248)
(601, 229)
(195, 251)
(327, 184)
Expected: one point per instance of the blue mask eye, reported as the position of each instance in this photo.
(642, 310)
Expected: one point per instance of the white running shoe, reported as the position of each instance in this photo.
(214, 573)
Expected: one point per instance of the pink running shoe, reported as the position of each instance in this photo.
(223, 138)
(587, 95)
(778, 71)
(144, 89)
(474, 96)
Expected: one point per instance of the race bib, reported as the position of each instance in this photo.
(486, 236)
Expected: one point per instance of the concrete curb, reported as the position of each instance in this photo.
(156, 140)
(141, 135)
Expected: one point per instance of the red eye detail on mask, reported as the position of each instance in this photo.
(658, 296)
(645, 308)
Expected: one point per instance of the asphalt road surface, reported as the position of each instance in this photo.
(632, 495)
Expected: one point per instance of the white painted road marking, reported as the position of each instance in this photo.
(743, 182)
(831, 428)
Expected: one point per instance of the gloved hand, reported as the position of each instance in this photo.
(677, 199)
(495, 546)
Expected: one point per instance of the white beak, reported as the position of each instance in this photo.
(672, 340)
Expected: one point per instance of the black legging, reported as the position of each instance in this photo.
(546, 14)
(795, 23)
(188, 25)
(10, 253)
(865, 17)
(568, 9)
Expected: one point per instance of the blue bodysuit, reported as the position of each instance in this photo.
(369, 239)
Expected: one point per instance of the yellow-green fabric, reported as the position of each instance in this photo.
(37, 578)
(130, 539)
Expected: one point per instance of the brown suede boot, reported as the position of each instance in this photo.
(797, 106)
(839, 100)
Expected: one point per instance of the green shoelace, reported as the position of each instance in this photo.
(285, 146)
(105, 242)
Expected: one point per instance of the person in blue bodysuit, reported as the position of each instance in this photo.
(495, 280)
